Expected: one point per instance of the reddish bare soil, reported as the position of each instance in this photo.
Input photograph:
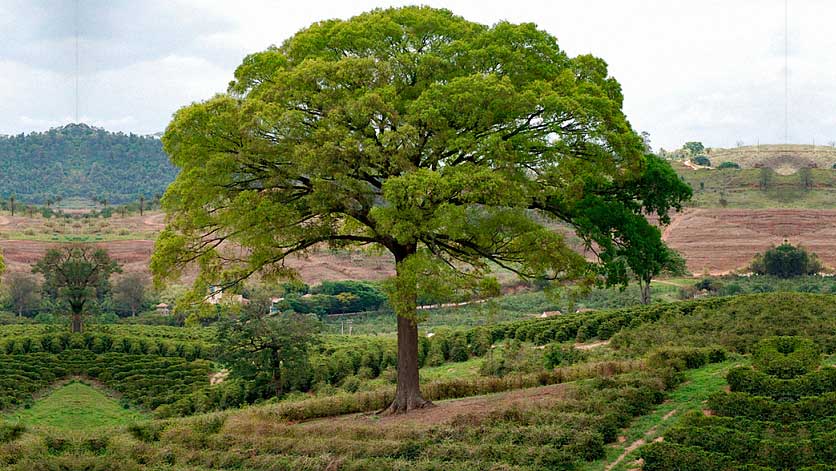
(723, 240)
(134, 255)
(716, 241)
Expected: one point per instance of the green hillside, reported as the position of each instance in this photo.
(80, 161)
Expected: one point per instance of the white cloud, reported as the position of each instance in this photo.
(711, 70)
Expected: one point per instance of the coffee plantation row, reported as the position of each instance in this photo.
(779, 414)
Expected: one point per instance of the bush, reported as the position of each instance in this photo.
(685, 358)
(786, 261)
(701, 160)
(562, 355)
(10, 432)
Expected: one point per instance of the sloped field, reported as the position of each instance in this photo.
(722, 240)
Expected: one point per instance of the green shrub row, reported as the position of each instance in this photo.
(780, 415)
(599, 324)
(686, 358)
(444, 389)
(146, 381)
(754, 382)
(103, 343)
(780, 452)
(759, 427)
(737, 404)
(666, 456)
(786, 357)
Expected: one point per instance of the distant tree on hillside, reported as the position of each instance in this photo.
(130, 292)
(23, 292)
(728, 165)
(694, 148)
(654, 260)
(765, 178)
(701, 160)
(646, 141)
(805, 178)
(77, 275)
(786, 261)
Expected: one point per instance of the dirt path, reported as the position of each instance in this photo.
(4, 221)
(591, 345)
(648, 435)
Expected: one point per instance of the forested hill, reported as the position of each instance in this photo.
(78, 160)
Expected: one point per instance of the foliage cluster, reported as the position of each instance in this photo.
(737, 323)
(786, 261)
(778, 415)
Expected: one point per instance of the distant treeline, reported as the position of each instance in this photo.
(82, 161)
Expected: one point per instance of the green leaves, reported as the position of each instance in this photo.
(422, 133)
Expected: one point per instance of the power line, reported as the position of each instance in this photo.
(76, 61)
(786, 73)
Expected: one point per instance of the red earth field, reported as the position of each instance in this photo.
(716, 241)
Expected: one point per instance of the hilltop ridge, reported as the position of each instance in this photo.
(82, 161)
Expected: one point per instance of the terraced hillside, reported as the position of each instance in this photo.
(783, 158)
(722, 240)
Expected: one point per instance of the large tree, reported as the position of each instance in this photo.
(23, 293)
(270, 350)
(445, 142)
(78, 275)
(130, 292)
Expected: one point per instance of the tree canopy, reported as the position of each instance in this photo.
(77, 275)
(445, 142)
(786, 261)
(270, 350)
(694, 148)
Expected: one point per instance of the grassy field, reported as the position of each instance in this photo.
(75, 406)
(741, 189)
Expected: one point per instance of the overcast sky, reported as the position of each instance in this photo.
(691, 70)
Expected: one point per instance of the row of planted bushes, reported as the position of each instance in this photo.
(145, 381)
(367, 357)
(779, 415)
(741, 446)
(738, 323)
(738, 404)
(747, 380)
(597, 324)
(558, 434)
(562, 433)
(103, 343)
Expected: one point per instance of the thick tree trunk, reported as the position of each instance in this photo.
(77, 308)
(645, 289)
(408, 394)
(76, 322)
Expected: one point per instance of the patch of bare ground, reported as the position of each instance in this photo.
(591, 345)
(218, 377)
(631, 448)
(719, 241)
(648, 435)
(467, 410)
